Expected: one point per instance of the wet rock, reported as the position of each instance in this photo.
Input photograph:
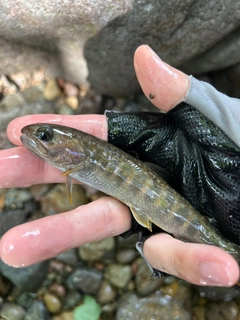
(37, 311)
(106, 293)
(28, 278)
(144, 282)
(97, 250)
(56, 200)
(12, 311)
(52, 302)
(30, 101)
(69, 257)
(118, 275)
(126, 256)
(156, 306)
(86, 280)
(72, 298)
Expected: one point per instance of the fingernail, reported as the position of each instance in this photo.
(214, 273)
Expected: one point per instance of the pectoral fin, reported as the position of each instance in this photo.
(142, 219)
(67, 172)
(69, 188)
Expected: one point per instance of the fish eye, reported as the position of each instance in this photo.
(45, 133)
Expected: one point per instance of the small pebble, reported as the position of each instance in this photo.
(72, 298)
(126, 256)
(70, 89)
(72, 101)
(69, 257)
(85, 279)
(118, 275)
(37, 311)
(97, 250)
(52, 90)
(21, 79)
(57, 289)
(12, 311)
(53, 304)
(106, 293)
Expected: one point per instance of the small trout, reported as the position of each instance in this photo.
(105, 167)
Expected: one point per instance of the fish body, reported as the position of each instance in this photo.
(105, 167)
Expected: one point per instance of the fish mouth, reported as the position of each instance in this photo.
(34, 146)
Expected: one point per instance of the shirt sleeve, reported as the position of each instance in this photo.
(216, 106)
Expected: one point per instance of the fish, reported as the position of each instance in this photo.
(105, 167)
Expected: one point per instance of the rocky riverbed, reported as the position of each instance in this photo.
(97, 281)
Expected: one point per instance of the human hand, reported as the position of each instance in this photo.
(29, 243)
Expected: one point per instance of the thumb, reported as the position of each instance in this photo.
(164, 85)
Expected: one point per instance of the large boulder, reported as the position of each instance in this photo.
(75, 38)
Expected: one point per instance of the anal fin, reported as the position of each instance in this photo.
(142, 219)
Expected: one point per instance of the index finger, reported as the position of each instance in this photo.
(94, 124)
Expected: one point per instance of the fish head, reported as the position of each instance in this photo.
(58, 145)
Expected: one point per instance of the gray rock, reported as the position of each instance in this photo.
(216, 57)
(28, 278)
(155, 306)
(71, 39)
(86, 280)
(37, 311)
(12, 311)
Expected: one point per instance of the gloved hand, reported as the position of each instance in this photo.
(201, 158)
